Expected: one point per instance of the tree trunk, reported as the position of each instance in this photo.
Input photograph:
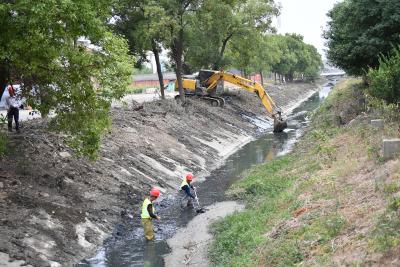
(275, 77)
(217, 65)
(177, 50)
(4, 75)
(158, 64)
(365, 80)
(262, 78)
(178, 72)
(290, 77)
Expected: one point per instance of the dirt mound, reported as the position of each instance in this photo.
(56, 208)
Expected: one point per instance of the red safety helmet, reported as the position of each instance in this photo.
(11, 90)
(189, 177)
(154, 192)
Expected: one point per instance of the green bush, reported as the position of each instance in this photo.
(3, 143)
(3, 137)
(390, 112)
(385, 81)
(386, 234)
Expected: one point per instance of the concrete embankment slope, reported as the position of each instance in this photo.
(56, 208)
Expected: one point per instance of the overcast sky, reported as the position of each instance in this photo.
(306, 17)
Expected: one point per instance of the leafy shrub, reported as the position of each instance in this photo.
(394, 204)
(3, 143)
(385, 81)
(3, 137)
(386, 234)
(3, 120)
(390, 112)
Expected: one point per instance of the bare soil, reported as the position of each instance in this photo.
(55, 208)
(190, 244)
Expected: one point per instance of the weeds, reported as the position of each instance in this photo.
(3, 137)
(386, 234)
(3, 144)
(3, 120)
(389, 112)
(325, 169)
(391, 188)
(373, 152)
(394, 204)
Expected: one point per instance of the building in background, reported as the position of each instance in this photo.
(151, 80)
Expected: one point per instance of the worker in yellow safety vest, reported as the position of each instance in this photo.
(148, 213)
(186, 197)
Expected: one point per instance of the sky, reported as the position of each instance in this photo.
(306, 17)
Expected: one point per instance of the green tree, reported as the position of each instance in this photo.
(360, 31)
(220, 23)
(268, 54)
(296, 58)
(312, 62)
(288, 58)
(146, 26)
(178, 13)
(40, 48)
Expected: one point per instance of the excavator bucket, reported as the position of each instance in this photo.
(279, 125)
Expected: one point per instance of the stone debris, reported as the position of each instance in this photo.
(391, 148)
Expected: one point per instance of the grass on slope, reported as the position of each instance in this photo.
(330, 202)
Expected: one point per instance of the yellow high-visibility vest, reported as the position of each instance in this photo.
(184, 182)
(145, 214)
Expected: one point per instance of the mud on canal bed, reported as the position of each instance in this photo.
(185, 230)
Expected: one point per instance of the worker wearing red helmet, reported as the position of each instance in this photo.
(13, 104)
(184, 191)
(148, 213)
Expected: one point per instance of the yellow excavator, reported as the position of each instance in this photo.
(208, 85)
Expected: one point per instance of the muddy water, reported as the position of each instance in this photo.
(127, 247)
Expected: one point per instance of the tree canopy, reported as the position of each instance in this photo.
(146, 26)
(286, 55)
(40, 48)
(219, 24)
(360, 31)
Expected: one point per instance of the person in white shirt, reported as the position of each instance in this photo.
(12, 104)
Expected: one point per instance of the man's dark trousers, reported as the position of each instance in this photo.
(13, 112)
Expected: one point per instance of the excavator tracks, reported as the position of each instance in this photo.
(214, 101)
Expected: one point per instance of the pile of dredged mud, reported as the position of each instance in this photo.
(55, 208)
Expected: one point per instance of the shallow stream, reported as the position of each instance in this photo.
(127, 246)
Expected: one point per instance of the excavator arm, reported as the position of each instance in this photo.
(270, 106)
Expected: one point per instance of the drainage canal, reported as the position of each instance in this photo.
(127, 246)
